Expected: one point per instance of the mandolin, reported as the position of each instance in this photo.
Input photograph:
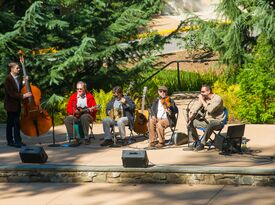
(79, 110)
(141, 117)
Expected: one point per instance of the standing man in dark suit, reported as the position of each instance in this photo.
(12, 104)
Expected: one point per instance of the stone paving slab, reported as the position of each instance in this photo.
(134, 194)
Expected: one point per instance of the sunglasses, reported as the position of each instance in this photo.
(162, 91)
(79, 88)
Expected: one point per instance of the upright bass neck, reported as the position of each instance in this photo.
(27, 83)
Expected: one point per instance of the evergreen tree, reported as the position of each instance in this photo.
(90, 40)
(245, 21)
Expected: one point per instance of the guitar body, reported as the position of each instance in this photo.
(141, 117)
(141, 120)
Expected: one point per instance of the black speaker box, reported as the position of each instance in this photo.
(134, 158)
(33, 154)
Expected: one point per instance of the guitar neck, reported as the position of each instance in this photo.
(142, 104)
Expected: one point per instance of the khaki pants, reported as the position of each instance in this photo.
(157, 129)
(85, 120)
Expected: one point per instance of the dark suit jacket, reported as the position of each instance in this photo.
(128, 109)
(13, 97)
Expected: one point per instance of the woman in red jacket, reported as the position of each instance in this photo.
(81, 108)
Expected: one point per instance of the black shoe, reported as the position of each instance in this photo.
(107, 142)
(11, 144)
(23, 144)
(88, 141)
(124, 142)
(199, 147)
(18, 145)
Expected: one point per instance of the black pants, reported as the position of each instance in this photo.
(13, 121)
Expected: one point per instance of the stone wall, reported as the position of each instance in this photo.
(117, 174)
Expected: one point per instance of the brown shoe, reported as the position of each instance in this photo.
(88, 141)
(159, 145)
(153, 144)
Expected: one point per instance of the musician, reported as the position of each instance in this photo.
(121, 111)
(80, 108)
(12, 104)
(163, 112)
(212, 105)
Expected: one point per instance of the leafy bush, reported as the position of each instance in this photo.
(3, 114)
(102, 98)
(257, 85)
(190, 81)
(229, 94)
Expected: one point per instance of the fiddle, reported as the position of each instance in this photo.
(166, 102)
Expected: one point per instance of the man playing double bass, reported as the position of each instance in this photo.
(163, 112)
(12, 104)
(81, 108)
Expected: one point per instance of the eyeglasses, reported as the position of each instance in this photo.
(79, 88)
(162, 91)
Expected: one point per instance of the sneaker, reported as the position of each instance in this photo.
(107, 142)
(199, 147)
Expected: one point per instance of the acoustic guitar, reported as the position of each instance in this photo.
(141, 117)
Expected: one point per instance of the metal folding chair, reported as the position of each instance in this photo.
(131, 138)
(211, 141)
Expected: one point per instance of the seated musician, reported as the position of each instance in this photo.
(81, 108)
(212, 105)
(163, 112)
(121, 111)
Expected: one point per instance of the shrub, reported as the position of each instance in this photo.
(3, 114)
(102, 98)
(229, 95)
(257, 85)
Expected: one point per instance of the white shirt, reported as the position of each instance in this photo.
(16, 78)
(161, 112)
(81, 101)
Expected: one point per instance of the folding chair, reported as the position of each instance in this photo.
(114, 136)
(211, 141)
(173, 129)
(91, 135)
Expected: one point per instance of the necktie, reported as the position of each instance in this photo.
(17, 83)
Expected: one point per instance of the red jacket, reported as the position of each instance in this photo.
(71, 107)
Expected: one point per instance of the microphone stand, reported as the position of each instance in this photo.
(52, 113)
(188, 125)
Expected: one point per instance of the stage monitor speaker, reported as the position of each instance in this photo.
(135, 158)
(33, 154)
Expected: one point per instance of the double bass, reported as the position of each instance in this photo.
(34, 120)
